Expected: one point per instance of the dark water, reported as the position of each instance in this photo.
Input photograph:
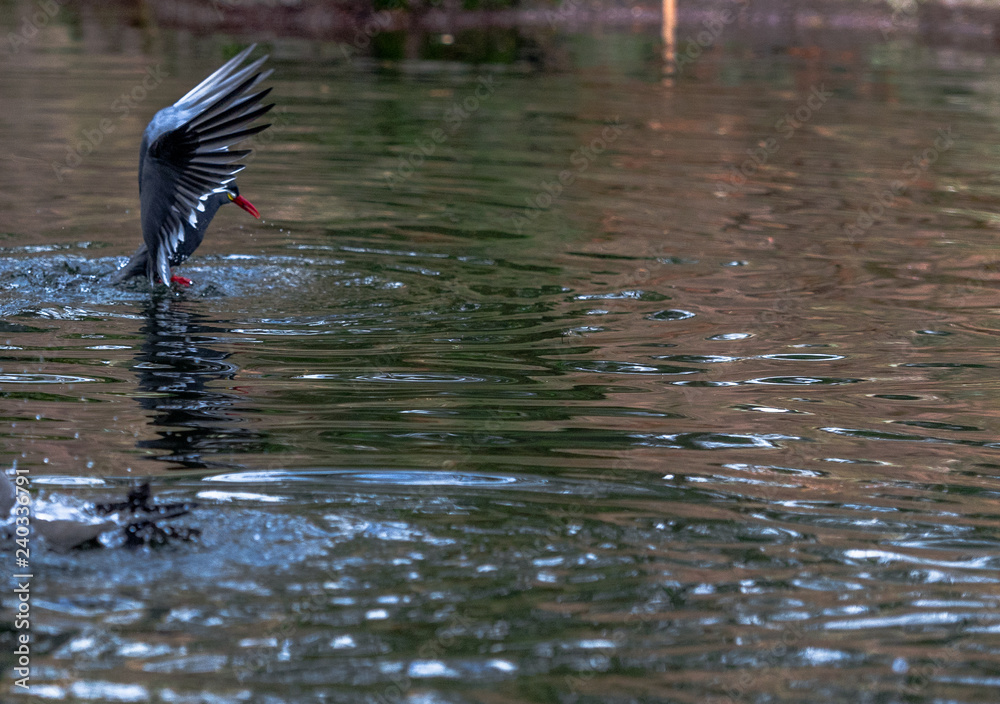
(463, 432)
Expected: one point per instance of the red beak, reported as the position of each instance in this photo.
(246, 205)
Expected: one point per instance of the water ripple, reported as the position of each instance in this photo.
(805, 380)
(394, 478)
(612, 367)
(714, 441)
(26, 378)
(410, 378)
(671, 315)
(865, 434)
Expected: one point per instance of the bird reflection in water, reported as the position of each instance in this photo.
(177, 369)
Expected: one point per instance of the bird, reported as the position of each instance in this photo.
(187, 170)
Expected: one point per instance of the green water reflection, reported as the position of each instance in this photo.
(464, 430)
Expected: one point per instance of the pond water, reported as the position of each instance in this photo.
(530, 386)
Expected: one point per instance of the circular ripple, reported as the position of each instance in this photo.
(676, 314)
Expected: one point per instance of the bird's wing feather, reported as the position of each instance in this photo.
(193, 161)
(209, 85)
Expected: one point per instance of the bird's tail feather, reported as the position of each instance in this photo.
(136, 266)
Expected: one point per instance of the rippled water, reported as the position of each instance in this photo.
(461, 432)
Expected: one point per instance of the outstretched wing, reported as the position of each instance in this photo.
(188, 157)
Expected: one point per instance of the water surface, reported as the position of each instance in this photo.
(464, 430)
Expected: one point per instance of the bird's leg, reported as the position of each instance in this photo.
(180, 280)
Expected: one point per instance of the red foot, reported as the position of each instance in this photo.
(181, 281)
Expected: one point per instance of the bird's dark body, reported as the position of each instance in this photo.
(139, 263)
(186, 169)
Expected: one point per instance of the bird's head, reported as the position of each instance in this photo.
(233, 193)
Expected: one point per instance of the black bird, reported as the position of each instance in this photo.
(187, 170)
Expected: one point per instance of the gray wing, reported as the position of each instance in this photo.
(188, 163)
